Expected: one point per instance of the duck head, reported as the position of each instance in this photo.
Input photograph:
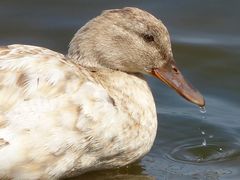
(133, 41)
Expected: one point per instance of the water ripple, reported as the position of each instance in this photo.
(190, 151)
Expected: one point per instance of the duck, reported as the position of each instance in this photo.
(92, 109)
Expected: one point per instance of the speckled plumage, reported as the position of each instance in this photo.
(91, 109)
(56, 118)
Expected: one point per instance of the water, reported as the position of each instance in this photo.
(202, 109)
(204, 143)
(206, 42)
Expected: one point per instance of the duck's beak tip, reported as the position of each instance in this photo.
(197, 99)
(173, 78)
(202, 102)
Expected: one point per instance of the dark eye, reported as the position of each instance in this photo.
(148, 38)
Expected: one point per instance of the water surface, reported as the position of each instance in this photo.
(206, 41)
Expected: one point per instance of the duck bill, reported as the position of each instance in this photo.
(174, 79)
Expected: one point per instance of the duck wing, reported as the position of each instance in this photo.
(51, 113)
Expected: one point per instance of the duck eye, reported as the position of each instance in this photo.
(148, 38)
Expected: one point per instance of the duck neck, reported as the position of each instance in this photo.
(80, 55)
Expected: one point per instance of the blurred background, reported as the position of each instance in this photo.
(206, 41)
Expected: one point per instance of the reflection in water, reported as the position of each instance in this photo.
(131, 172)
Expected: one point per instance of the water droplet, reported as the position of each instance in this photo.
(204, 143)
(203, 132)
(199, 160)
(202, 109)
(210, 136)
(220, 149)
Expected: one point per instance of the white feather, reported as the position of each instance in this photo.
(59, 120)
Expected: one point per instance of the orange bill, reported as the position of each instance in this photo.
(170, 75)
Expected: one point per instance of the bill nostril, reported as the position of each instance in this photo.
(175, 69)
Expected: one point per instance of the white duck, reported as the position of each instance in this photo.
(92, 109)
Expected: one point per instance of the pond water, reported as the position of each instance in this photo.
(206, 42)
